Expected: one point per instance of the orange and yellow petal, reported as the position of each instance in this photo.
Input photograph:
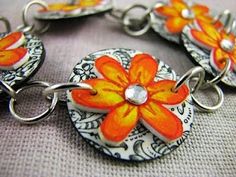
(229, 36)
(179, 5)
(167, 11)
(11, 39)
(203, 39)
(118, 124)
(175, 25)
(12, 56)
(143, 69)
(112, 70)
(209, 29)
(161, 122)
(161, 92)
(218, 58)
(199, 9)
(89, 3)
(108, 95)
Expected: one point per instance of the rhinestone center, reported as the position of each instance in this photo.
(136, 94)
(227, 45)
(188, 14)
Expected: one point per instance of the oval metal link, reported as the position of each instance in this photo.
(36, 119)
(7, 89)
(6, 23)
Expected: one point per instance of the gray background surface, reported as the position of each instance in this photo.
(54, 148)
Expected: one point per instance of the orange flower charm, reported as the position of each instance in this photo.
(71, 7)
(178, 14)
(130, 96)
(12, 56)
(221, 44)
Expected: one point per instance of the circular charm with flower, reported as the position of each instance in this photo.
(210, 47)
(134, 114)
(72, 10)
(21, 55)
(170, 19)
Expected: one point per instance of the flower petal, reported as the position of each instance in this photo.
(161, 92)
(161, 122)
(143, 69)
(12, 40)
(112, 70)
(118, 124)
(175, 25)
(179, 5)
(13, 58)
(199, 9)
(167, 11)
(108, 95)
(226, 36)
(217, 58)
(209, 29)
(201, 39)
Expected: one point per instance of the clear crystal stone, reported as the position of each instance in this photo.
(227, 45)
(187, 13)
(136, 94)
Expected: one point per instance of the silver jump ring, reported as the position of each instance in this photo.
(6, 23)
(220, 76)
(7, 88)
(226, 13)
(26, 27)
(127, 24)
(210, 108)
(67, 86)
(36, 119)
(196, 71)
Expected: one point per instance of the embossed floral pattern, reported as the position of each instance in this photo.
(132, 96)
(178, 14)
(222, 46)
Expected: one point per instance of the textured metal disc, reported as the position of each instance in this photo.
(36, 51)
(141, 144)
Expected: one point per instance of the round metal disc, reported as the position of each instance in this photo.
(104, 6)
(36, 51)
(141, 144)
(202, 57)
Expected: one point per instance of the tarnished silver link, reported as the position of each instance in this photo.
(26, 27)
(36, 119)
(186, 78)
(7, 89)
(225, 14)
(6, 23)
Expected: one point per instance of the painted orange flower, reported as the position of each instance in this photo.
(132, 96)
(221, 44)
(179, 14)
(71, 7)
(12, 56)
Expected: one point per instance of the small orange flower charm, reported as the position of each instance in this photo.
(221, 44)
(179, 14)
(132, 96)
(12, 56)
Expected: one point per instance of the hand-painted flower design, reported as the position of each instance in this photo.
(178, 14)
(221, 44)
(12, 56)
(66, 7)
(130, 96)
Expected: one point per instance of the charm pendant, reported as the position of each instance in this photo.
(73, 10)
(145, 119)
(21, 55)
(211, 47)
(170, 19)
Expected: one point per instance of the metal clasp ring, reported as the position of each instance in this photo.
(26, 27)
(6, 23)
(7, 88)
(36, 119)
